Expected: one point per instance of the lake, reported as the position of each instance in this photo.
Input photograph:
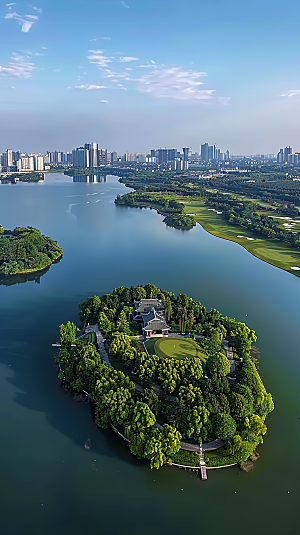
(49, 482)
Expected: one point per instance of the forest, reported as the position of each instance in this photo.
(25, 250)
(195, 399)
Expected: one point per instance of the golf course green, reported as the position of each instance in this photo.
(176, 348)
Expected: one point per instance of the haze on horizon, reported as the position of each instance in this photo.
(137, 75)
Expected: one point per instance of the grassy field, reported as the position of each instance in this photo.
(177, 348)
(272, 251)
(88, 337)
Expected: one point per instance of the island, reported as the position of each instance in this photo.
(177, 382)
(26, 250)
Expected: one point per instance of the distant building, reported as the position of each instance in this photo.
(113, 157)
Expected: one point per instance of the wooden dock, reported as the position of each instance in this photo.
(202, 465)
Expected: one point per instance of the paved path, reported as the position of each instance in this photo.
(209, 446)
(100, 343)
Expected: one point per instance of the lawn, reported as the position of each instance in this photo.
(271, 251)
(88, 337)
(177, 348)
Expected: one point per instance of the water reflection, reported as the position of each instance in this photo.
(20, 278)
(89, 178)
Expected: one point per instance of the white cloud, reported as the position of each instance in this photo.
(38, 9)
(174, 83)
(111, 74)
(104, 101)
(26, 21)
(128, 69)
(127, 59)
(29, 53)
(103, 38)
(90, 87)
(291, 93)
(26, 26)
(18, 67)
(124, 4)
(224, 100)
(98, 58)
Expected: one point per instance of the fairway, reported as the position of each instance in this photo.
(272, 251)
(177, 348)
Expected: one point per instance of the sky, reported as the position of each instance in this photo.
(140, 74)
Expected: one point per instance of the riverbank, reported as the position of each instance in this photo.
(271, 251)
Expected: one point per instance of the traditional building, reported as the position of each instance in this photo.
(150, 312)
(145, 305)
(154, 324)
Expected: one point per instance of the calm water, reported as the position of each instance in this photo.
(105, 490)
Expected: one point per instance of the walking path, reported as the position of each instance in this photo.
(209, 446)
(100, 343)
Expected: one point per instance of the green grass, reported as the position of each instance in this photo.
(88, 338)
(219, 458)
(178, 348)
(187, 458)
(272, 251)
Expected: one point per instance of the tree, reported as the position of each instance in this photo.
(123, 323)
(121, 346)
(67, 335)
(138, 293)
(196, 418)
(151, 291)
(142, 417)
(219, 364)
(156, 445)
(104, 324)
(240, 407)
(224, 426)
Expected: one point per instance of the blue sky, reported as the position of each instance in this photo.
(138, 74)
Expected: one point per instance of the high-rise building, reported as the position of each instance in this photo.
(81, 157)
(94, 155)
(172, 154)
(204, 152)
(162, 155)
(293, 159)
(113, 157)
(186, 151)
(280, 156)
(287, 151)
(102, 157)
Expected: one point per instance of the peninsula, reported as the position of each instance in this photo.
(26, 250)
(260, 212)
(176, 381)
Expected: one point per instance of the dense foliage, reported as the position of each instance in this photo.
(26, 249)
(189, 400)
(271, 186)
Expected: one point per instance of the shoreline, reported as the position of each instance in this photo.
(223, 237)
(32, 270)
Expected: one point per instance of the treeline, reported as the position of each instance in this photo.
(243, 213)
(181, 221)
(204, 405)
(163, 203)
(26, 249)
